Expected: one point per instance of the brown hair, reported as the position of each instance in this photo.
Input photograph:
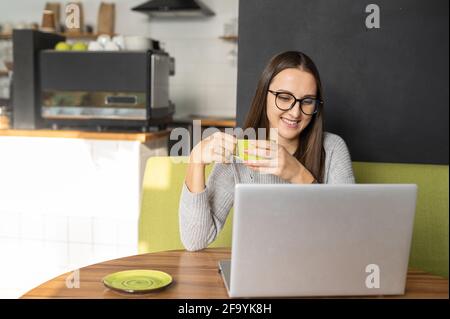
(310, 151)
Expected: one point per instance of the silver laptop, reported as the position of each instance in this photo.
(320, 240)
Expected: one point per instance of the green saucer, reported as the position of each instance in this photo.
(137, 281)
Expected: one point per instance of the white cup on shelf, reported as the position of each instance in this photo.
(103, 39)
(119, 41)
(95, 46)
(111, 46)
(138, 43)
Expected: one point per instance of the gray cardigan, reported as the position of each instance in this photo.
(202, 215)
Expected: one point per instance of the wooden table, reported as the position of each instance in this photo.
(195, 275)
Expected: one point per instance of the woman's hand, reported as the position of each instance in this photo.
(275, 159)
(218, 147)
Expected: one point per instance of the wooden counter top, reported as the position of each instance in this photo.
(125, 136)
(218, 122)
(208, 120)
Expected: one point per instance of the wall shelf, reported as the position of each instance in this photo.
(91, 36)
(69, 35)
(229, 38)
(5, 36)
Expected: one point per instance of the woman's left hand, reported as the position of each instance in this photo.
(275, 159)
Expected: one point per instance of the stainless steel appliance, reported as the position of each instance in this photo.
(95, 90)
(105, 89)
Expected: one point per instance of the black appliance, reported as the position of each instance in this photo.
(101, 90)
(174, 9)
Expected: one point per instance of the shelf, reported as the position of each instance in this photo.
(4, 73)
(91, 36)
(5, 36)
(69, 35)
(229, 38)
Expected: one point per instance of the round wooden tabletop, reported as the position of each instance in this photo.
(195, 275)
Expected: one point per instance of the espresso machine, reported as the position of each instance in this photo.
(91, 90)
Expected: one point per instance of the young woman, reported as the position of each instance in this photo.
(289, 99)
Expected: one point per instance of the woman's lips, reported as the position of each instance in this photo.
(293, 124)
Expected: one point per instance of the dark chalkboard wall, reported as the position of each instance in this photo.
(386, 90)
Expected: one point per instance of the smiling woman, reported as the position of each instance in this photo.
(287, 116)
(289, 78)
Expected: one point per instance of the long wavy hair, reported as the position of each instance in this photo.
(310, 151)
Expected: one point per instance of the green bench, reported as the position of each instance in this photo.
(163, 180)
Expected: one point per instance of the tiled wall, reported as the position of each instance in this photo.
(206, 73)
(36, 247)
(67, 203)
(206, 78)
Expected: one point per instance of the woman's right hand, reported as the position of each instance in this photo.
(218, 147)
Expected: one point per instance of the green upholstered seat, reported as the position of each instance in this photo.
(164, 176)
(429, 249)
(158, 220)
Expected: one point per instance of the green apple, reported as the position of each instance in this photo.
(79, 46)
(63, 46)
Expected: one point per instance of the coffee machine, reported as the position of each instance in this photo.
(93, 90)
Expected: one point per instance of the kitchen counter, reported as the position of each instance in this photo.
(69, 199)
(207, 121)
(122, 136)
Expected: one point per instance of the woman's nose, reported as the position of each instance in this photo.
(295, 111)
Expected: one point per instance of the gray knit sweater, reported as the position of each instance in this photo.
(202, 215)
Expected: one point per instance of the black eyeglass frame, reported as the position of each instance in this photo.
(317, 104)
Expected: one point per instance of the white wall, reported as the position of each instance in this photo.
(205, 80)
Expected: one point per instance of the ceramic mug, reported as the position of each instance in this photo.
(242, 145)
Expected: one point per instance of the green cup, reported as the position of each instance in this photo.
(243, 145)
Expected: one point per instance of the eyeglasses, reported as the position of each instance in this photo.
(286, 101)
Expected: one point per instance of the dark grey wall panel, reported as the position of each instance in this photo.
(386, 90)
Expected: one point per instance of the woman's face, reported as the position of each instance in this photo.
(292, 122)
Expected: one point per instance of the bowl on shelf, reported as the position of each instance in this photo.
(136, 42)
